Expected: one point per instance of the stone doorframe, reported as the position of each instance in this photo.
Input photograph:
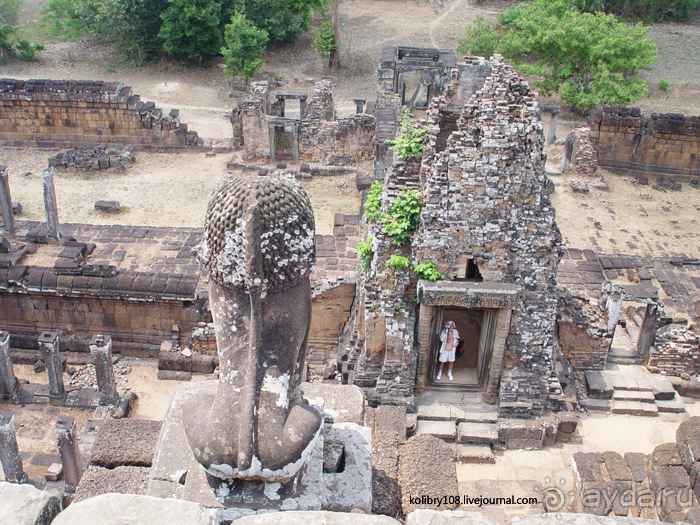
(284, 122)
(465, 294)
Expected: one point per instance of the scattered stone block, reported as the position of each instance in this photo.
(674, 407)
(17, 208)
(129, 442)
(602, 405)
(54, 472)
(666, 455)
(477, 433)
(617, 466)
(599, 387)
(174, 375)
(637, 463)
(688, 441)
(22, 504)
(662, 388)
(391, 418)
(363, 181)
(340, 403)
(121, 480)
(568, 422)
(107, 206)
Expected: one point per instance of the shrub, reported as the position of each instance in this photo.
(664, 84)
(373, 203)
(191, 28)
(427, 271)
(324, 44)
(244, 45)
(364, 253)
(481, 39)
(409, 143)
(404, 216)
(398, 262)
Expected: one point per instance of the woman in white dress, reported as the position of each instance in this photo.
(450, 339)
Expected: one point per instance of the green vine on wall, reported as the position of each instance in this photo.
(373, 203)
(398, 262)
(403, 218)
(426, 270)
(409, 143)
(364, 253)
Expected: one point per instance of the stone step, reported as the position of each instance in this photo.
(602, 405)
(434, 412)
(634, 395)
(598, 384)
(633, 408)
(486, 433)
(620, 382)
(473, 414)
(674, 407)
(662, 388)
(440, 429)
(475, 453)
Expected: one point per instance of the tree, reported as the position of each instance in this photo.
(284, 20)
(590, 59)
(191, 27)
(244, 44)
(325, 43)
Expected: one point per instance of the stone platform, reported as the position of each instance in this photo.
(176, 474)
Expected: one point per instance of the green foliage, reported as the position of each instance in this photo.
(664, 84)
(26, 51)
(284, 20)
(373, 203)
(244, 44)
(9, 11)
(130, 25)
(481, 39)
(404, 216)
(646, 10)
(324, 44)
(398, 262)
(507, 17)
(364, 253)
(590, 59)
(427, 271)
(191, 28)
(409, 143)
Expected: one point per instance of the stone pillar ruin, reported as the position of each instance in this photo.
(51, 207)
(9, 387)
(647, 332)
(359, 105)
(568, 153)
(101, 350)
(8, 219)
(499, 344)
(9, 451)
(259, 250)
(48, 344)
(67, 442)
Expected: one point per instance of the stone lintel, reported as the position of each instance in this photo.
(465, 294)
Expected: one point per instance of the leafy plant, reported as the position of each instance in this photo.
(409, 143)
(481, 39)
(364, 253)
(27, 51)
(284, 20)
(191, 27)
(373, 203)
(426, 270)
(325, 43)
(647, 10)
(664, 84)
(398, 262)
(590, 59)
(404, 216)
(9, 10)
(244, 44)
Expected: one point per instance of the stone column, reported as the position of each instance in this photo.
(359, 105)
(8, 219)
(551, 137)
(490, 396)
(647, 332)
(568, 152)
(101, 350)
(302, 108)
(48, 344)
(281, 103)
(51, 207)
(9, 388)
(67, 441)
(9, 451)
(423, 339)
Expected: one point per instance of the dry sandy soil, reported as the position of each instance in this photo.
(174, 189)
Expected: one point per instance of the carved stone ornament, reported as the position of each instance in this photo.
(259, 250)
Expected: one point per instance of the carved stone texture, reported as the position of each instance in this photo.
(259, 250)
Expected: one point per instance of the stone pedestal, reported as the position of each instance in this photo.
(176, 474)
(8, 219)
(9, 451)
(67, 441)
(51, 207)
(48, 344)
(101, 350)
(9, 388)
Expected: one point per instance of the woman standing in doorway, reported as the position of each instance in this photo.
(450, 339)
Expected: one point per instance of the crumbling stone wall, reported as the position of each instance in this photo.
(321, 136)
(631, 143)
(582, 333)
(68, 113)
(676, 352)
(486, 201)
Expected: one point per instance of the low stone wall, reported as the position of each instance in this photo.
(68, 113)
(631, 143)
(676, 352)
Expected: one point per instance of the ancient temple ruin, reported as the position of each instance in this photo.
(487, 223)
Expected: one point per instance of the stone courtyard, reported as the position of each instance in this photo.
(584, 380)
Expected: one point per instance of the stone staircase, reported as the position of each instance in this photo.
(465, 421)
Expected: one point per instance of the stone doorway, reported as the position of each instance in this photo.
(476, 327)
(284, 139)
(486, 305)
